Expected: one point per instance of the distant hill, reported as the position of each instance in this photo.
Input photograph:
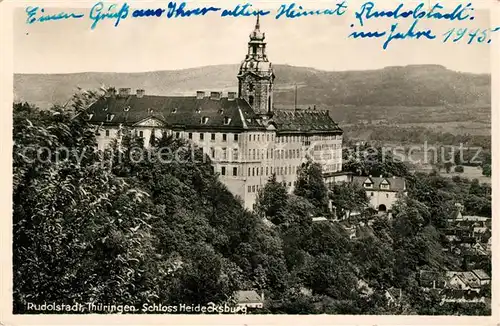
(409, 86)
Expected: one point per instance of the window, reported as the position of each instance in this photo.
(212, 137)
(109, 117)
(235, 137)
(107, 132)
(224, 153)
(249, 188)
(235, 154)
(212, 152)
(258, 137)
(261, 170)
(386, 195)
(253, 188)
(190, 135)
(257, 171)
(250, 100)
(371, 194)
(267, 170)
(253, 153)
(204, 120)
(177, 135)
(224, 137)
(248, 171)
(223, 170)
(253, 172)
(227, 120)
(141, 133)
(202, 136)
(235, 171)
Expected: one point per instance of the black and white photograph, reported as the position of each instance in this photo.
(261, 158)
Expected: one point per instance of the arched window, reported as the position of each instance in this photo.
(250, 100)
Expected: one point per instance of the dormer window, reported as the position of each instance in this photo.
(150, 111)
(227, 120)
(109, 117)
(126, 109)
(198, 110)
(204, 120)
(221, 111)
(105, 108)
(368, 184)
(174, 110)
(384, 185)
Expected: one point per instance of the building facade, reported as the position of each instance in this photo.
(246, 138)
(382, 192)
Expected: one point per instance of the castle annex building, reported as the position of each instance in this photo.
(246, 138)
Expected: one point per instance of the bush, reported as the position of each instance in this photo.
(459, 169)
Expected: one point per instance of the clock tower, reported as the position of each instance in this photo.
(256, 75)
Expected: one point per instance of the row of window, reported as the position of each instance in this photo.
(224, 171)
(255, 188)
(331, 167)
(212, 136)
(269, 170)
(299, 138)
(256, 154)
(386, 195)
(326, 147)
(261, 137)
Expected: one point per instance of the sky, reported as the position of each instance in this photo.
(150, 44)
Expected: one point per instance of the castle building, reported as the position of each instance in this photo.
(246, 138)
(382, 192)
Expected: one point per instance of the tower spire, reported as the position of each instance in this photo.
(257, 24)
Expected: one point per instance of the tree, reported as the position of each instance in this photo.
(311, 186)
(448, 165)
(348, 197)
(487, 170)
(271, 199)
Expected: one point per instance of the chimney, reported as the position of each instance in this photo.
(110, 92)
(200, 95)
(231, 96)
(215, 95)
(140, 93)
(123, 92)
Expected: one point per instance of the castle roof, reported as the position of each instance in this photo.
(203, 113)
(395, 183)
(188, 112)
(308, 121)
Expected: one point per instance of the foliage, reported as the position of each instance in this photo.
(93, 226)
(459, 169)
(311, 186)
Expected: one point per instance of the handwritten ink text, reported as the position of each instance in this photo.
(289, 11)
(367, 12)
(175, 11)
(33, 17)
(97, 13)
(243, 11)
